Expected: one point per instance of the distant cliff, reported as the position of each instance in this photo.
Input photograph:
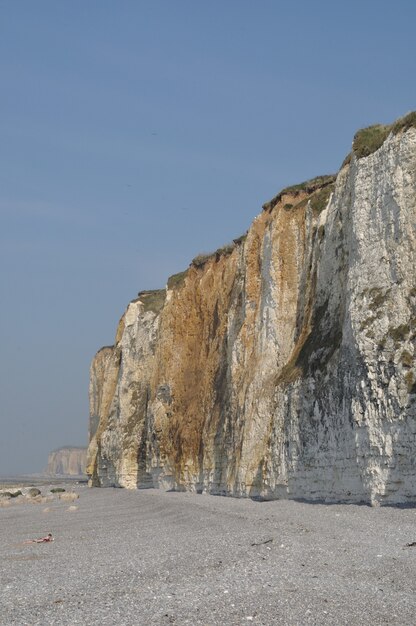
(70, 461)
(283, 364)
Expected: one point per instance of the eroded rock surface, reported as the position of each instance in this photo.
(283, 365)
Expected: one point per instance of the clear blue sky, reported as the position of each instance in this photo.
(137, 134)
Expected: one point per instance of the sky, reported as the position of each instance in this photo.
(136, 134)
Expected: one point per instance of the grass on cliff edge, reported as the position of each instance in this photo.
(201, 259)
(176, 280)
(368, 140)
(318, 200)
(152, 300)
(308, 186)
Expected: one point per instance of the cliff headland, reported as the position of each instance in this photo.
(67, 461)
(282, 365)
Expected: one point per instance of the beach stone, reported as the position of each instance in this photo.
(131, 557)
(15, 493)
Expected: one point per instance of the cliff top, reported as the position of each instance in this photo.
(368, 140)
(317, 190)
(308, 186)
(68, 448)
(152, 300)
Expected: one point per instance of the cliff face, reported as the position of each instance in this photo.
(67, 462)
(283, 365)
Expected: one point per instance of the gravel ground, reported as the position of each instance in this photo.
(133, 558)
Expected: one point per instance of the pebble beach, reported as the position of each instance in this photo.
(147, 557)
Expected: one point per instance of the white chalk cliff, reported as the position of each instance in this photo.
(67, 461)
(281, 366)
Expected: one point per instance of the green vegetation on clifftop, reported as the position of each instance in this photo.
(201, 259)
(368, 140)
(308, 186)
(176, 280)
(152, 300)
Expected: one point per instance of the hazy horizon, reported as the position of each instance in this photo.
(137, 135)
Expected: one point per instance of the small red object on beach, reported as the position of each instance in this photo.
(42, 539)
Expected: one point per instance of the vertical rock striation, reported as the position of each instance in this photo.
(282, 365)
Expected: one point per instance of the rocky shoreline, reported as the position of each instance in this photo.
(149, 557)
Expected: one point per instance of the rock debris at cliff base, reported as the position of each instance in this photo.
(281, 366)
